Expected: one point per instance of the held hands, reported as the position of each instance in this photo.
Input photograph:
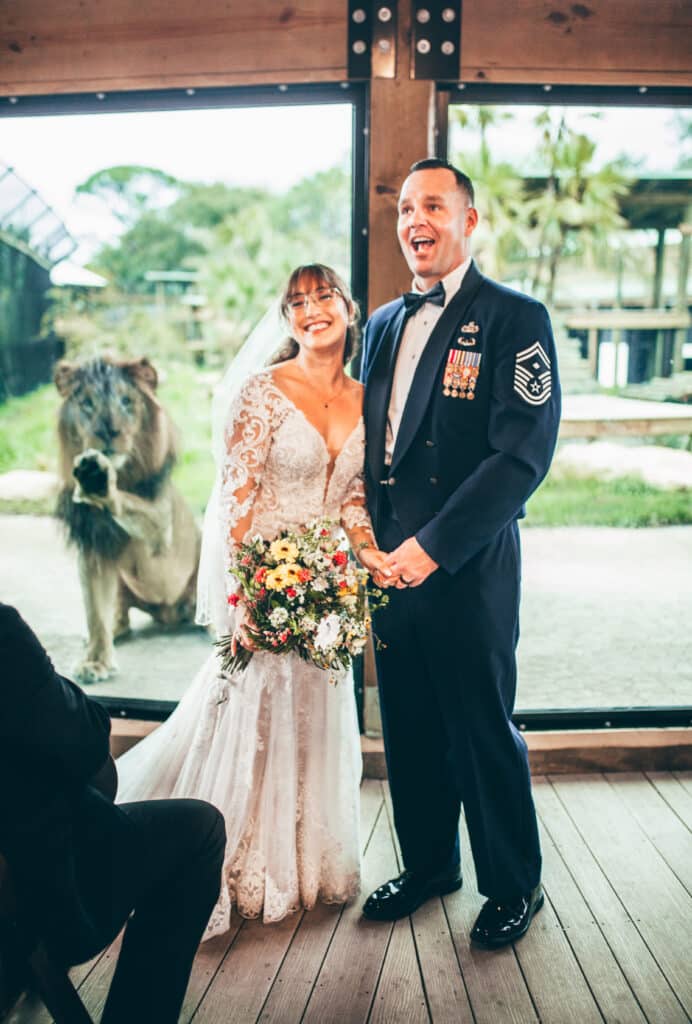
(408, 565)
(372, 559)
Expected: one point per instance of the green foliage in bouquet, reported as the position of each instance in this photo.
(301, 593)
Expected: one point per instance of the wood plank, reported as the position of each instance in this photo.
(400, 998)
(94, 990)
(238, 991)
(494, 985)
(671, 788)
(347, 981)
(32, 1011)
(603, 42)
(210, 956)
(240, 986)
(650, 986)
(444, 985)
(296, 978)
(601, 970)
(685, 779)
(664, 828)
(80, 45)
(649, 891)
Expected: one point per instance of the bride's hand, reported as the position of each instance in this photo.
(372, 560)
(241, 637)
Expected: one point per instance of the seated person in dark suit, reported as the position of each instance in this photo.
(82, 865)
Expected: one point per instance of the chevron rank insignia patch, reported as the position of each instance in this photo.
(532, 380)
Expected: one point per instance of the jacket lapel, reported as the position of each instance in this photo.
(378, 389)
(426, 371)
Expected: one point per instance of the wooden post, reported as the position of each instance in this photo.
(402, 116)
(682, 299)
(593, 351)
(660, 251)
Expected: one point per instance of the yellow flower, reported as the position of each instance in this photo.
(283, 550)
(276, 579)
(291, 570)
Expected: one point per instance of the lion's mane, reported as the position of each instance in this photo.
(111, 405)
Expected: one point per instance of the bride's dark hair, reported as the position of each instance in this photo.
(318, 275)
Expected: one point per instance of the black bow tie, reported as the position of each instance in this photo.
(414, 300)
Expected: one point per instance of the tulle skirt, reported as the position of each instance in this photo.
(277, 749)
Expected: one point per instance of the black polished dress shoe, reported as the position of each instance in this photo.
(400, 896)
(501, 923)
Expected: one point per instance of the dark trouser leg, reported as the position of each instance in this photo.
(174, 890)
(472, 629)
(424, 791)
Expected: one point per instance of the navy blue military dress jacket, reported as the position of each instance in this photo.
(480, 423)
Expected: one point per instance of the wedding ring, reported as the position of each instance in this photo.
(407, 582)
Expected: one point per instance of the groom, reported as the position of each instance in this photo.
(462, 408)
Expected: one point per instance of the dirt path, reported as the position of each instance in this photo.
(606, 616)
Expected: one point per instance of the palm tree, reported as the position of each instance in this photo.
(575, 200)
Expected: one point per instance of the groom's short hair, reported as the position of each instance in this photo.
(462, 180)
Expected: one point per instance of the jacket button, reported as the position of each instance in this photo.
(433, 479)
(429, 444)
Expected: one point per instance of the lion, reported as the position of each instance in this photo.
(137, 540)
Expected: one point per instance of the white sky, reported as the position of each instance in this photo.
(650, 135)
(271, 147)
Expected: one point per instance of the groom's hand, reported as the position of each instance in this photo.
(410, 564)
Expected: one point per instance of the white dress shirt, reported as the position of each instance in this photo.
(418, 329)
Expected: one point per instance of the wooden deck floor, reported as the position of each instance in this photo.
(612, 943)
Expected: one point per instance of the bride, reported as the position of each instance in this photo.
(275, 748)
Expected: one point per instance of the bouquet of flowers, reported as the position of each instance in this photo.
(303, 594)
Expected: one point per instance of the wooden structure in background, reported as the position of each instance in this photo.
(73, 46)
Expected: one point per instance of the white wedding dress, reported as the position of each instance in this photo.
(276, 748)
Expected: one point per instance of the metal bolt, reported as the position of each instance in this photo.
(384, 14)
(423, 46)
(359, 15)
(448, 47)
(448, 14)
(360, 46)
(423, 16)
(384, 45)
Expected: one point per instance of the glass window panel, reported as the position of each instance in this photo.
(177, 228)
(590, 210)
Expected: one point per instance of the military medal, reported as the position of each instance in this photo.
(461, 374)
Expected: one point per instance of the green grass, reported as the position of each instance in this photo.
(566, 500)
(28, 438)
(28, 441)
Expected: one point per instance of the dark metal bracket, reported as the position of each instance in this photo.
(435, 39)
(372, 36)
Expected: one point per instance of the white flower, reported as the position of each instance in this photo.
(319, 584)
(327, 632)
(278, 617)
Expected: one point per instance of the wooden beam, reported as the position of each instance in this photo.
(82, 45)
(402, 126)
(601, 42)
(556, 752)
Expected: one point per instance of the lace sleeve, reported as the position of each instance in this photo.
(355, 518)
(247, 437)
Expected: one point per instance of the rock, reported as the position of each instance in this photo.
(667, 468)
(27, 485)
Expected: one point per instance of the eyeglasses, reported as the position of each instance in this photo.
(321, 297)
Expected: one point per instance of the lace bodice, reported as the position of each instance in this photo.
(278, 473)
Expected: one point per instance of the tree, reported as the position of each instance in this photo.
(501, 234)
(130, 190)
(576, 199)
